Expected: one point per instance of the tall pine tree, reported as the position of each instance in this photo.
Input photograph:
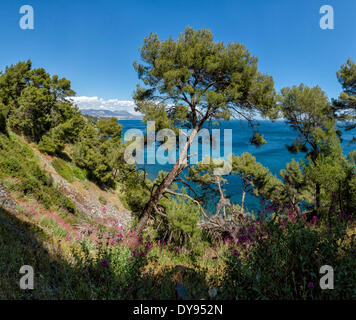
(192, 80)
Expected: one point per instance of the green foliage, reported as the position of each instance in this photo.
(329, 170)
(345, 105)
(79, 173)
(89, 154)
(285, 265)
(194, 79)
(187, 82)
(207, 185)
(12, 82)
(37, 107)
(24, 243)
(102, 200)
(3, 115)
(255, 177)
(305, 109)
(53, 226)
(309, 112)
(63, 169)
(135, 186)
(99, 151)
(68, 170)
(180, 225)
(53, 142)
(296, 187)
(196, 72)
(36, 100)
(258, 139)
(30, 179)
(109, 128)
(66, 204)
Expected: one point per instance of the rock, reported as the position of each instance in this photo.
(86, 201)
(5, 200)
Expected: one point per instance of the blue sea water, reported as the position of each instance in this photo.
(273, 155)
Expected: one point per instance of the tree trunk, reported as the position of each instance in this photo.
(157, 195)
(243, 198)
(317, 198)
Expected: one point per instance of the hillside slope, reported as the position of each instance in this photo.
(85, 194)
(28, 177)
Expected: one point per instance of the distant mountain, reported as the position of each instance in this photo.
(120, 115)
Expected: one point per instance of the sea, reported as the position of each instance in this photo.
(273, 154)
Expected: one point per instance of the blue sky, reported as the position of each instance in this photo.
(94, 43)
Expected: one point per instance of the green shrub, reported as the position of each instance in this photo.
(67, 204)
(285, 264)
(3, 115)
(17, 160)
(63, 169)
(79, 173)
(47, 145)
(180, 226)
(50, 223)
(135, 194)
(10, 165)
(102, 200)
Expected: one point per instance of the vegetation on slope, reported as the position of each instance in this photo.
(187, 249)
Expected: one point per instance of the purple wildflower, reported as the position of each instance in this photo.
(235, 253)
(104, 263)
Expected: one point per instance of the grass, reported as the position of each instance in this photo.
(80, 173)
(74, 258)
(86, 269)
(19, 166)
(63, 169)
(69, 171)
(51, 224)
(102, 200)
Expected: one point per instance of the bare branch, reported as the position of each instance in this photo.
(190, 198)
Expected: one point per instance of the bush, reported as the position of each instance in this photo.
(3, 115)
(79, 173)
(31, 179)
(67, 204)
(135, 194)
(47, 145)
(102, 200)
(63, 169)
(285, 263)
(10, 165)
(180, 226)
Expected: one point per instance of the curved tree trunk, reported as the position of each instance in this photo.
(243, 199)
(157, 195)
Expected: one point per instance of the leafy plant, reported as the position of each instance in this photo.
(63, 169)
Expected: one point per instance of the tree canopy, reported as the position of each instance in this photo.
(37, 105)
(197, 79)
(194, 79)
(345, 105)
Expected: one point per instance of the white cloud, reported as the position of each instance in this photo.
(102, 104)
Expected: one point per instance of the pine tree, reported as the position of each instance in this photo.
(256, 178)
(192, 80)
(308, 111)
(345, 105)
